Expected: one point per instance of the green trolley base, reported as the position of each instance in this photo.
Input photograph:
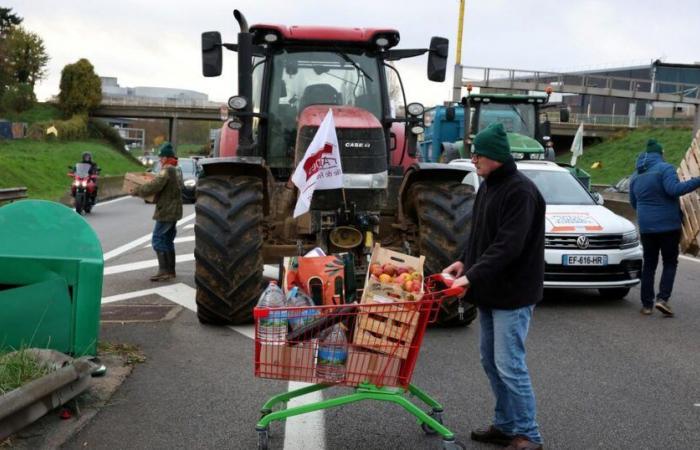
(430, 422)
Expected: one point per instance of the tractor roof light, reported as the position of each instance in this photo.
(548, 90)
(415, 109)
(271, 38)
(381, 41)
(486, 100)
(237, 102)
(235, 124)
(469, 87)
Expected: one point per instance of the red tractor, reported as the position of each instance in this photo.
(288, 78)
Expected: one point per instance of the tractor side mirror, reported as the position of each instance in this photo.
(437, 58)
(563, 115)
(211, 53)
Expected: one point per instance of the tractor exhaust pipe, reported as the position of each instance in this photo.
(245, 84)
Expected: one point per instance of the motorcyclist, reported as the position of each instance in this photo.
(87, 159)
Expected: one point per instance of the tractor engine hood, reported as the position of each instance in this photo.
(519, 143)
(363, 152)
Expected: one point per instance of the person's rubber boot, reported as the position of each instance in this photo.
(162, 267)
(171, 264)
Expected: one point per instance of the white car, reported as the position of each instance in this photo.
(586, 245)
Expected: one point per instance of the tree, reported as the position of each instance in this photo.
(8, 20)
(81, 89)
(26, 56)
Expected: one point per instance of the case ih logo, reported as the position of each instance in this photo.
(357, 145)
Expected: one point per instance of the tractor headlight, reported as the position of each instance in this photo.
(235, 124)
(630, 239)
(381, 41)
(271, 37)
(415, 109)
(190, 183)
(237, 102)
(417, 129)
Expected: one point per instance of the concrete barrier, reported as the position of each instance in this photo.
(619, 203)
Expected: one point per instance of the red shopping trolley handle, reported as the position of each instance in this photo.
(455, 286)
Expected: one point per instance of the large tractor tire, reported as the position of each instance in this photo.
(228, 248)
(443, 212)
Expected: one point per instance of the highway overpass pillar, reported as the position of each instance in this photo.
(172, 131)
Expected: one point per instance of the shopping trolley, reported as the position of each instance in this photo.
(377, 358)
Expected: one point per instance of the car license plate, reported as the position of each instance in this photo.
(585, 260)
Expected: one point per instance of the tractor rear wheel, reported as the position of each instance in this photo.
(228, 248)
(443, 212)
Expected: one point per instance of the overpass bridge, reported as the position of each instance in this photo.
(578, 83)
(171, 110)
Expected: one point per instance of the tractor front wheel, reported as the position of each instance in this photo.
(443, 212)
(228, 248)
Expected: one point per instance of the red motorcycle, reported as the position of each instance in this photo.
(84, 187)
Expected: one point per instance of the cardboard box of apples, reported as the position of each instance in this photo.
(393, 276)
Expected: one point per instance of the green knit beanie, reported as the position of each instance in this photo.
(166, 150)
(493, 143)
(654, 147)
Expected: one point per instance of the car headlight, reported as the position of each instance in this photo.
(517, 155)
(630, 239)
(538, 156)
(190, 183)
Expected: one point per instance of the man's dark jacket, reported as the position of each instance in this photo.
(504, 259)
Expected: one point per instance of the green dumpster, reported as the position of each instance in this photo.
(51, 268)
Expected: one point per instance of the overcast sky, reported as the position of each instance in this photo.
(157, 42)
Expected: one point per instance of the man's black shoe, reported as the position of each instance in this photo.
(491, 435)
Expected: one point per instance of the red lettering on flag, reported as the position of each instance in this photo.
(311, 165)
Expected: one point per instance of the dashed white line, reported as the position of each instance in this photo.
(177, 240)
(112, 201)
(189, 226)
(111, 270)
(690, 258)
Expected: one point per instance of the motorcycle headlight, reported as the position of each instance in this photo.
(76, 183)
(190, 183)
(630, 239)
(83, 183)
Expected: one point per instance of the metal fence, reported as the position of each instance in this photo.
(159, 102)
(618, 120)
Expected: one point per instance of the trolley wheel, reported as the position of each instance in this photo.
(437, 415)
(263, 439)
(452, 445)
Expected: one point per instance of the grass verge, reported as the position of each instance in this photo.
(18, 368)
(42, 166)
(618, 154)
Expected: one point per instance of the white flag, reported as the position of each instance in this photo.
(577, 145)
(320, 168)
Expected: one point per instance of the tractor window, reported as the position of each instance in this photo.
(515, 118)
(258, 70)
(304, 78)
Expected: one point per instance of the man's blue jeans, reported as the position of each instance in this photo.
(503, 334)
(163, 236)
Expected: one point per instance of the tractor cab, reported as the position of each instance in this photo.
(519, 115)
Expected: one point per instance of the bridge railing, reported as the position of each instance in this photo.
(618, 120)
(580, 83)
(158, 102)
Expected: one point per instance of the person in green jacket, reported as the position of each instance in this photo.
(167, 188)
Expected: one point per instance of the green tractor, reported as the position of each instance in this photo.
(519, 114)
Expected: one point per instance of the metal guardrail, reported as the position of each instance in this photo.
(158, 102)
(618, 120)
(10, 194)
(581, 83)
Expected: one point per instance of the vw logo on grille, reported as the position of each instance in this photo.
(582, 242)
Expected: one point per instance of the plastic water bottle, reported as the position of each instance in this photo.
(273, 328)
(332, 354)
(300, 317)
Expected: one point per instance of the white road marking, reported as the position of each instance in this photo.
(111, 270)
(112, 201)
(135, 243)
(176, 241)
(189, 226)
(302, 432)
(690, 258)
(697, 404)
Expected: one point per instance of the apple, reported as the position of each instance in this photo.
(385, 278)
(402, 270)
(389, 269)
(402, 278)
(416, 286)
(416, 276)
(375, 269)
(408, 286)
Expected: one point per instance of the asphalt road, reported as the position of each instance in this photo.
(604, 375)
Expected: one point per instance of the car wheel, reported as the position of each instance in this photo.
(614, 293)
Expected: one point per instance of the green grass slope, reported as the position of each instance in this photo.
(618, 154)
(40, 112)
(42, 166)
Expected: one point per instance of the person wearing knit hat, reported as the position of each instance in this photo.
(167, 187)
(654, 193)
(503, 266)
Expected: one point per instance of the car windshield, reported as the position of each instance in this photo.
(303, 78)
(82, 169)
(515, 118)
(559, 188)
(187, 166)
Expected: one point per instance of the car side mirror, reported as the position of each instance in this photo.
(437, 58)
(598, 198)
(211, 53)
